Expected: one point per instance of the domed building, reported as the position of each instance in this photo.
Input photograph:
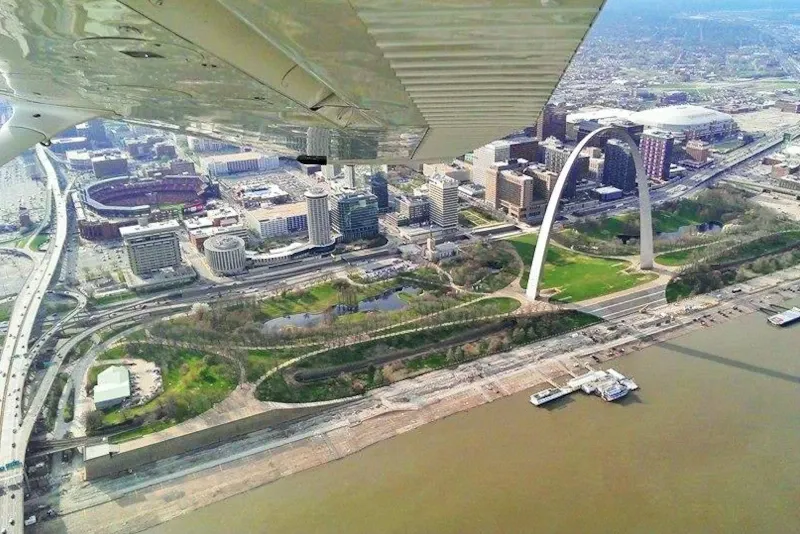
(687, 121)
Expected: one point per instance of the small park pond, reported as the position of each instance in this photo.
(387, 301)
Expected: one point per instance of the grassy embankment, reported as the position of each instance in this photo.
(577, 276)
(354, 369)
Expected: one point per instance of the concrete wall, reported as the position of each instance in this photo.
(134, 458)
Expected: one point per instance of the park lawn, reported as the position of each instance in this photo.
(317, 299)
(38, 241)
(663, 221)
(680, 257)
(495, 305)
(190, 382)
(5, 311)
(578, 277)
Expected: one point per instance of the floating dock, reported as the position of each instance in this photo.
(785, 318)
(608, 385)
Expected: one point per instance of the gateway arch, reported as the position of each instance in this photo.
(645, 217)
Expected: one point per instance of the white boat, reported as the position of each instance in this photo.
(547, 395)
(612, 390)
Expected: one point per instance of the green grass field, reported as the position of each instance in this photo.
(578, 277)
(680, 257)
(38, 241)
(663, 221)
(316, 299)
(193, 383)
(116, 297)
(475, 218)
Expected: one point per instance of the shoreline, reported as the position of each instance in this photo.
(168, 489)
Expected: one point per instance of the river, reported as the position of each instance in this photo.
(708, 445)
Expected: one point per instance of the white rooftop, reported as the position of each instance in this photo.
(112, 384)
(150, 228)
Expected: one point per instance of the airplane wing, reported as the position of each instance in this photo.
(354, 81)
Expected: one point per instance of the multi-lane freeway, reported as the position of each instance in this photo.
(14, 360)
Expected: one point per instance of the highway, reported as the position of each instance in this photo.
(15, 358)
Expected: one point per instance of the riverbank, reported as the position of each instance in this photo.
(178, 485)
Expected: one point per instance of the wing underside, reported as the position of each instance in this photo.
(353, 81)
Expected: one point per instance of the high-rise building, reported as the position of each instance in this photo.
(485, 156)
(516, 195)
(380, 188)
(95, 131)
(552, 123)
(152, 246)
(544, 181)
(443, 192)
(330, 171)
(354, 215)
(24, 217)
(698, 150)
(349, 172)
(619, 169)
(180, 166)
(413, 210)
(318, 217)
(522, 148)
(596, 165)
(109, 166)
(555, 154)
(656, 149)
(226, 164)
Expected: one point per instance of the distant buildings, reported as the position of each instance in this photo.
(109, 166)
(241, 162)
(485, 156)
(698, 150)
(152, 246)
(412, 210)
(789, 106)
(281, 220)
(443, 194)
(514, 192)
(354, 215)
(319, 218)
(79, 160)
(656, 149)
(225, 254)
(61, 145)
(498, 151)
(688, 122)
(203, 144)
(619, 170)
(24, 217)
(552, 123)
(380, 188)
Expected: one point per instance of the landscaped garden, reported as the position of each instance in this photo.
(486, 267)
(356, 368)
(193, 381)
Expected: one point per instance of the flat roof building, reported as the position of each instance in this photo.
(354, 215)
(113, 387)
(443, 194)
(279, 220)
(152, 246)
(241, 162)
